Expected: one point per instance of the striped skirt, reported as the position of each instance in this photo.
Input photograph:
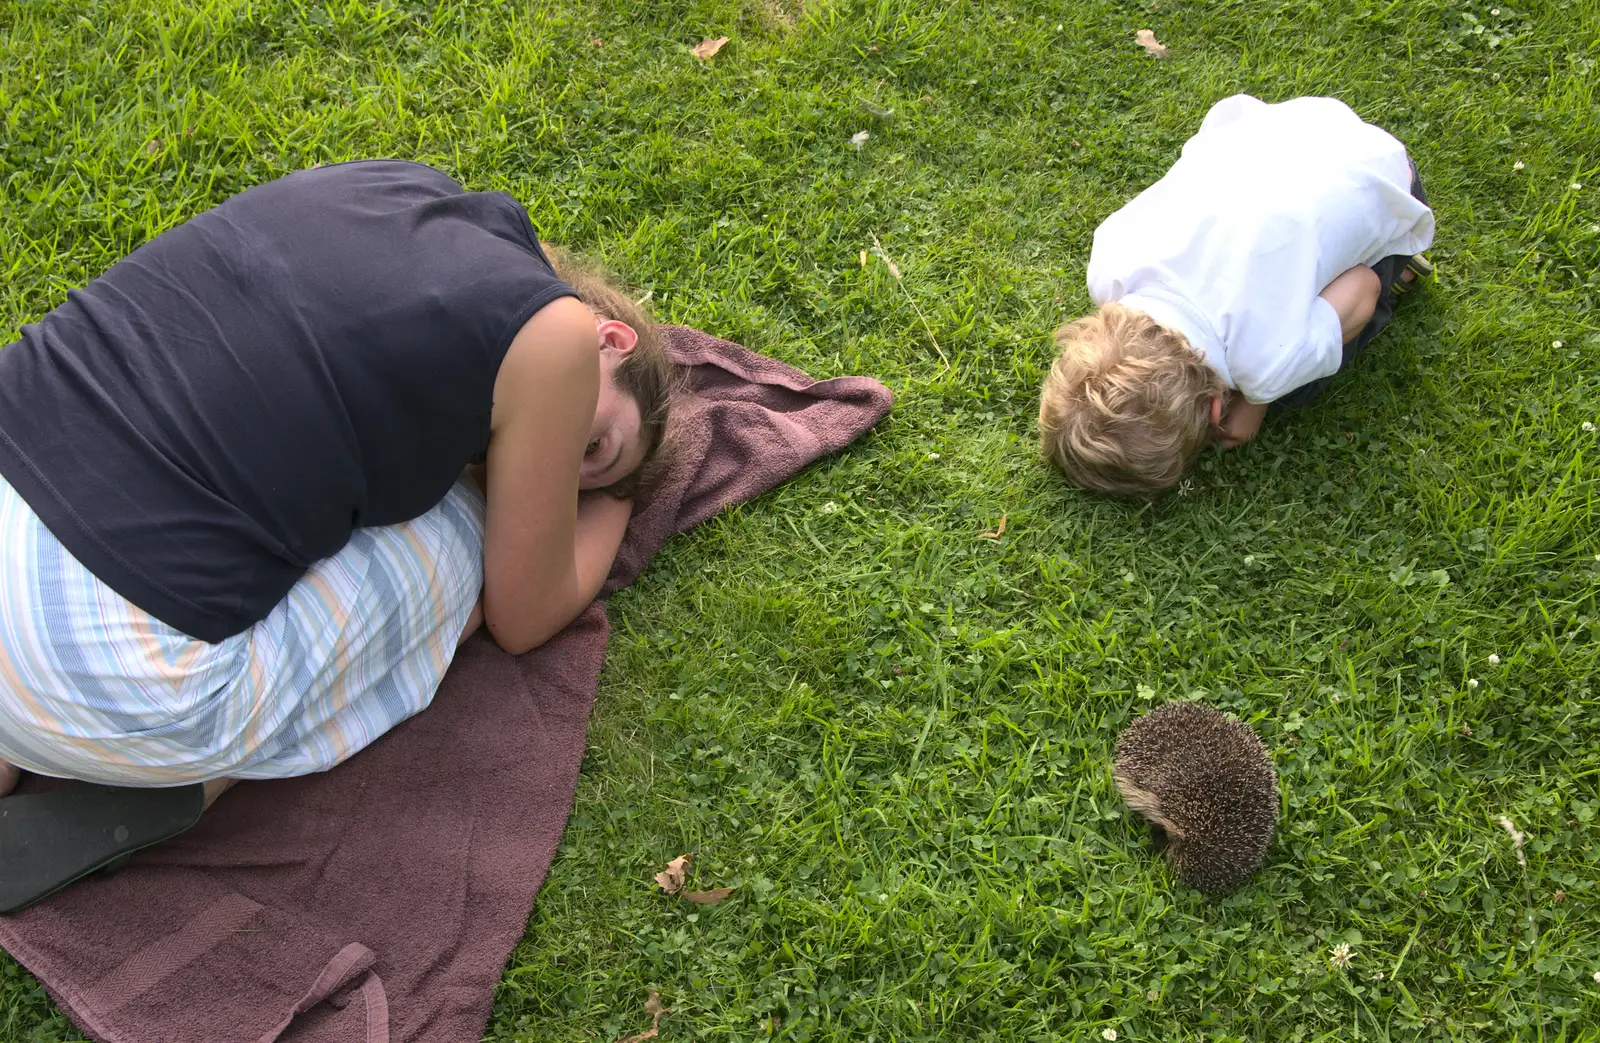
(94, 688)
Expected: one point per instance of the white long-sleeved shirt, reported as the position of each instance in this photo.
(1266, 206)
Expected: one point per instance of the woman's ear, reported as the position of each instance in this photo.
(616, 335)
(1216, 410)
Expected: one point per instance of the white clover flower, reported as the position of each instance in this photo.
(1109, 1035)
(1588, 425)
(1518, 165)
(1597, 975)
(1494, 10)
(859, 138)
(933, 456)
(1472, 682)
(1576, 187)
(1494, 659)
(828, 508)
(1059, 27)
(1249, 559)
(1341, 955)
(1555, 344)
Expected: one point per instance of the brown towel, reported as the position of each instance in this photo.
(377, 903)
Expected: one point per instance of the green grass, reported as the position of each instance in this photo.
(892, 737)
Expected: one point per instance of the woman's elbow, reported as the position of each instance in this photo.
(519, 622)
(519, 635)
(518, 640)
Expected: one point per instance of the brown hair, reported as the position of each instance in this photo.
(1126, 408)
(645, 373)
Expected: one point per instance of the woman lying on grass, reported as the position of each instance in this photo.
(235, 537)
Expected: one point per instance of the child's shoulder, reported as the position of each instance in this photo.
(1282, 121)
(1229, 111)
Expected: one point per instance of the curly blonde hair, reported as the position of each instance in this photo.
(1126, 408)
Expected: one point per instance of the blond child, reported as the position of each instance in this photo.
(1261, 264)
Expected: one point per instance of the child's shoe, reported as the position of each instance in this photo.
(1420, 268)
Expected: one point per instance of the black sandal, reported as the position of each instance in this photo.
(50, 839)
(1419, 266)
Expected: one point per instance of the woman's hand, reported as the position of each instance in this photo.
(602, 522)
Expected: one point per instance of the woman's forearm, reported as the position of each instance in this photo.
(602, 521)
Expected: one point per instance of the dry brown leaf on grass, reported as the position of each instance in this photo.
(676, 873)
(997, 532)
(652, 1007)
(1153, 47)
(671, 878)
(708, 47)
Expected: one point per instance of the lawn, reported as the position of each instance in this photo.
(893, 737)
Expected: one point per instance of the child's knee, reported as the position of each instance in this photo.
(1370, 287)
(1354, 296)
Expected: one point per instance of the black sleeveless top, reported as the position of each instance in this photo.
(223, 407)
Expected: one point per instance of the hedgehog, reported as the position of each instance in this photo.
(1205, 784)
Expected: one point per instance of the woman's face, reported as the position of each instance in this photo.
(615, 448)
